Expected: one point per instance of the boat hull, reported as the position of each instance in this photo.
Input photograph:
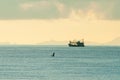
(81, 45)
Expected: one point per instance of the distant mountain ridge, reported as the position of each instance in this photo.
(115, 41)
(53, 42)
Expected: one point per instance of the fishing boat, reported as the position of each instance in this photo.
(76, 43)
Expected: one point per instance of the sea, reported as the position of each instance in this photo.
(35, 62)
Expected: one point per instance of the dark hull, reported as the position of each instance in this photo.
(81, 45)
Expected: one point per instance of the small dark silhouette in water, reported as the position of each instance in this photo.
(53, 54)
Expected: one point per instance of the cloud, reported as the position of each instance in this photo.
(60, 7)
(92, 12)
(52, 9)
(43, 4)
(34, 5)
(26, 6)
(42, 8)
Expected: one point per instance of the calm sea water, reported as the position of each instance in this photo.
(69, 63)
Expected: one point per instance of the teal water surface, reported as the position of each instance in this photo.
(69, 63)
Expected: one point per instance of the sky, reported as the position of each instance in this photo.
(36, 21)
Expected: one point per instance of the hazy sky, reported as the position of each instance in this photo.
(35, 21)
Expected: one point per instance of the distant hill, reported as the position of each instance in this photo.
(53, 42)
(91, 43)
(115, 41)
(5, 43)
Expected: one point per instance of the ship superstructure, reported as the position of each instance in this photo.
(76, 43)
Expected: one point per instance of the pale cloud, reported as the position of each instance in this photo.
(34, 5)
(94, 11)
(26, 6)
(110, 9)
(90, 14)
(60, 7)
(102, 11)
(39, 9)
(43, 5)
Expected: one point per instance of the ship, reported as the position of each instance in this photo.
(76, 43)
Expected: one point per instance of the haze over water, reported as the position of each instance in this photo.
(69, 63)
